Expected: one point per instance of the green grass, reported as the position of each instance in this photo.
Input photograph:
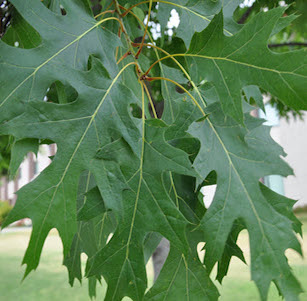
(238, 286)
(49, 282)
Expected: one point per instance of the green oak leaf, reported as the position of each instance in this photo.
(183, 277)
(93, 232)
(186, 197)
(231, 249)
(66, 41)
(92, 206)
(78, 129)
(121, 262)
(170, 94)
(253, 93)
(120, 181)
(20, 149)
(240, 157)
(196, 15)
(187, 113)
(280, 203)
(231, 63)
(283, 205)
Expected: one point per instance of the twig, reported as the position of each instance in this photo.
(287, 44)
(246, 15)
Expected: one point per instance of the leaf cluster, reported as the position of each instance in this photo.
(128, 172)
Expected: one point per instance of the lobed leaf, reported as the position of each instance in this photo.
(240, 157)
(120, 180)
(232, 63)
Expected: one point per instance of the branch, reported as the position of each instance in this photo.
(5, 17)
(287, 44)
(246, 15)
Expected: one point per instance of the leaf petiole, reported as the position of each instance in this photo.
(151, 102)
(124, 56)
(104, 12)
(146, 29)
(150, 79)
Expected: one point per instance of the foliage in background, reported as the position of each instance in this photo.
(5, 154)
(5, 209)
(131, 166)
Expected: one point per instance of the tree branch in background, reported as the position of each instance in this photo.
(288, 44)
(246, 15)
(5, 16)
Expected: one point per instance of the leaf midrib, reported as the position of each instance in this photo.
(259, 220)
(235, 170)
(237, 62)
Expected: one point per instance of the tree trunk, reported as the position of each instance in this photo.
(159, 256)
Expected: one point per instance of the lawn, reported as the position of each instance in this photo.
(237, 286)
(49, 282)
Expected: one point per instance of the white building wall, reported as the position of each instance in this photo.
(293, 138)
(23, 173)
(11, 190)
(2, 188)
(23, 177)
(43, 159)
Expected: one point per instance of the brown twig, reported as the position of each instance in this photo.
(246, 15)
(124, 56)
(145, 32)
(287, 44)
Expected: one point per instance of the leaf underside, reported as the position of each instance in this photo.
(121, 180)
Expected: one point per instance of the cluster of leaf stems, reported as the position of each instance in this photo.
(143, 76)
